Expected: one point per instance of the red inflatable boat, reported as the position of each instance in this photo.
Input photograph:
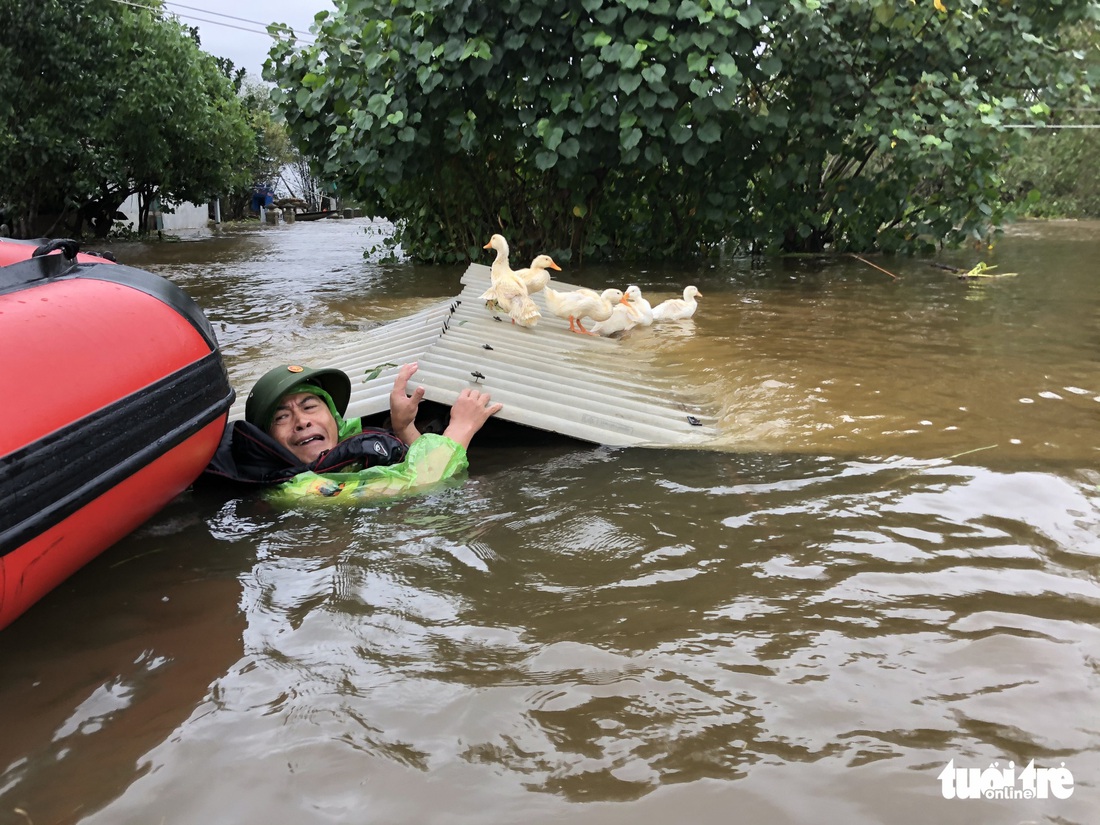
(115, 398)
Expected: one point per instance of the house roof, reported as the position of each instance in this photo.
(587, 387)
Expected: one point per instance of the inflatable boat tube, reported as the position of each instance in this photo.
(116, 398)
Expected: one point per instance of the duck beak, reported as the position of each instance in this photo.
(625, 299)
(488, 245)
(555, 266)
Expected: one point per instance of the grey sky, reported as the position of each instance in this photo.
(224, 32)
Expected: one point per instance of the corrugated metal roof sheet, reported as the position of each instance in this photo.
(549, 378)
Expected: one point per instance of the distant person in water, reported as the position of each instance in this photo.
(294, 435)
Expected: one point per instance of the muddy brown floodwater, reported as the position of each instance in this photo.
(881, 580)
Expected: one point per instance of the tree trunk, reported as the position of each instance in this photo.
(143, 212)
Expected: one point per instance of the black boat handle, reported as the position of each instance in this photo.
(68, 248)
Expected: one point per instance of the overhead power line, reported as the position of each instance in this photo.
(262, 30)
(215, 13)
(1052, 126)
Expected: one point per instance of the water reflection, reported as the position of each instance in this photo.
(700, 617)
(107, 666)
(888, 562)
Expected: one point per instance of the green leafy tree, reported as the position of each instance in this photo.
(1054, 173)
(177, 131)
(1053, 176)
(271, 147)
(103, 100)
(661, 128)
(41, 127)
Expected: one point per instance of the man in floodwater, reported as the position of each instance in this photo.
(295, 436)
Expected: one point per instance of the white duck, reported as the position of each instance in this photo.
(583, 303)
(676, 309)
(620, 320)
(506, 290)
(639, 308)
(537, 275)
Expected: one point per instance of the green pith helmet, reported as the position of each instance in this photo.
(265, 395)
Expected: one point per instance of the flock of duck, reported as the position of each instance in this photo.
(612, 310)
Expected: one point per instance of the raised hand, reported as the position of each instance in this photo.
(468, 414)
(403, 406)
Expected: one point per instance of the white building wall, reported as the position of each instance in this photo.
(185, 216)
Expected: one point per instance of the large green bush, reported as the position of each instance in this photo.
(653, 128)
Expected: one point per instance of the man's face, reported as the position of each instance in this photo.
(304, 425)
